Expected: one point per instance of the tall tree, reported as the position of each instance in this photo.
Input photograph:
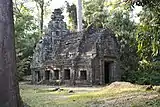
(149, 30)
(26, 36)
(41, 5)
(9, 91)
(94, 13)
(79, 15)
(72, 15)
(115, 16)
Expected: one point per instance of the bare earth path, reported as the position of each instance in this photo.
(125, 101)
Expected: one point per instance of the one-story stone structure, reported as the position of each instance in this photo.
(83, 58)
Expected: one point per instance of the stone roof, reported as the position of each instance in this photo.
(59, 46)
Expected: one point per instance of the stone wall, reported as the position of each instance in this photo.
(88, 56)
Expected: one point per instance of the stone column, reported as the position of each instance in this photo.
(72, 76)
(33, 76)
(113, 71)
(60, 76)
(50, 75)
(101, 72)
(73, 73)
(43, 73)
(53, 75)
(90, 75)
(117, 73)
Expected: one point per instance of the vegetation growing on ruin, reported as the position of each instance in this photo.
(139, 41)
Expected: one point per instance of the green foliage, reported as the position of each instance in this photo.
(94, 13)
(148, 34)
(72, 15)
(26, 36)
(42, 7)
(118, 19)
(139, 42)
(148, 39)
(143, 77)
(125, 29)
(148, 73)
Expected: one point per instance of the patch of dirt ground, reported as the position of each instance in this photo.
(125, 101)
(128, 98)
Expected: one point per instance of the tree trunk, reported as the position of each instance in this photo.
(9, 89)
(42, 15)
(79, 15)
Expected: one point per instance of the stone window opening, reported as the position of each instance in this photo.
(67, 74)
(56, 74)
(70, 55)
(57, 33)
(47, 74)
(83, 75)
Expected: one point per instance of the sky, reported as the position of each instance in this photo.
(54, 4)
(135, 12)
(60, 3)
(57, 4)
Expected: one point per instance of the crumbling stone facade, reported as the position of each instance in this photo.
(83, 58)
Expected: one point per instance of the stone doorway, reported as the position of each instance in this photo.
(67, 74)
(47, 74)
(83, 75)
(107, 70)
(56, 74)
(38, 78)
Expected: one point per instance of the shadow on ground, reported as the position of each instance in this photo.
(26, 105)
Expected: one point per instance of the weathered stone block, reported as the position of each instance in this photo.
(89, 58)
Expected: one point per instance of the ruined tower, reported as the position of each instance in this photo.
(79, 58)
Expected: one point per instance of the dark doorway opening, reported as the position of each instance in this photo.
(106, 71)
(83, 75)
(56, 74)
(38, 78)
(47, 74)
(57, 33)
(67, 74)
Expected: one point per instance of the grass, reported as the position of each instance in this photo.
(149, 103)
(133, 95)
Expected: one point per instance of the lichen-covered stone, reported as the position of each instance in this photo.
(83, 58)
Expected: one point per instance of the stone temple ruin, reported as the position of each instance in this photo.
(83, 58)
